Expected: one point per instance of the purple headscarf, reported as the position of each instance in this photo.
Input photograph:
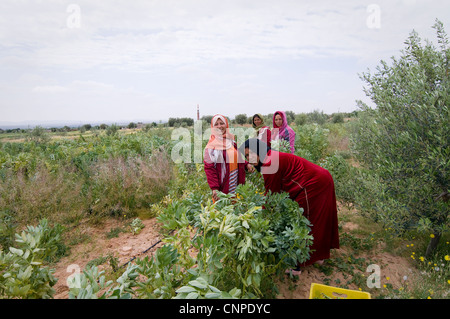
(285, 132)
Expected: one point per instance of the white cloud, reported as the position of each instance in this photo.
(168, 54)
(49, 89)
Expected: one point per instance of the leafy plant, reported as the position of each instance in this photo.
(92, 284)
(404, 142)
(22, 274)
(201, 289)
(136, 226)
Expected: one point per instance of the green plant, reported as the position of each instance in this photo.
(92, 284)
(136, 226)
(199, 288)
(161, 275)
(311, 142)
(404, 142)
(22, 274)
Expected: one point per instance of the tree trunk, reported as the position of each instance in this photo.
(433, 244)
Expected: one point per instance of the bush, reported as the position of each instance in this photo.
(404, 142)
(21, 272)
(311, 142)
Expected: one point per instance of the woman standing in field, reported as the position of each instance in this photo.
(223, 167)
(262, 131)
(281, 129)
(310, 185)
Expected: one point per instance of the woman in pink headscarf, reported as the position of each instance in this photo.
(223, 166)
(281, 130)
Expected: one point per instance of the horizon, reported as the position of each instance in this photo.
(76, 124)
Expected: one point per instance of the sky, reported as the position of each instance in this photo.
(117, 61)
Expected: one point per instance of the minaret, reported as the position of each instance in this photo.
(198, 113)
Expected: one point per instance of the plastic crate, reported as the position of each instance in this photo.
(319, 291)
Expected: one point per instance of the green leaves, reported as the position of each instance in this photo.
(201, 289)
(403, 143)
(21, 273)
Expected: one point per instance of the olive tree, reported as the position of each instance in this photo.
(403, 142)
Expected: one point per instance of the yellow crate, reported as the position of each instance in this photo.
(319, 291)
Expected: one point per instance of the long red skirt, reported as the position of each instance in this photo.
(320, 208)
(312, 187)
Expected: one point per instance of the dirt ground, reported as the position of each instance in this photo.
(393, 269)
(124, 247)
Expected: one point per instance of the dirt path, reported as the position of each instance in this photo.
(124, 247)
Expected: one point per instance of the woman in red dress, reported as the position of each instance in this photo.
(310, 185)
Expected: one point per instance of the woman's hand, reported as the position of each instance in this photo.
(250, 168)
(214, 195)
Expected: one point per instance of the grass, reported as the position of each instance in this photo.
(363, 243)
(83, 180)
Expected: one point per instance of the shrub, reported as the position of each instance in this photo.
(404, 142)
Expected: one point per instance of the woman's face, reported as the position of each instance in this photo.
(278, 120)
(251, 157)
(257, 121)
(220, 126)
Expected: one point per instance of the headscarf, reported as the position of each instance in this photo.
(256, 146)
(217, 144)
(284, 131)
(217, 141)
(260, 125)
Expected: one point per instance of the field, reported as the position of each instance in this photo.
(118, 218)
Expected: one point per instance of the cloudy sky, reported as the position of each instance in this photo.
(143, 60)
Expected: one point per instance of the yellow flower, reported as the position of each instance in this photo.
(384, 286)
(448, 281)
(412, 245)
(421, 258)
(387, 278)
(447, 257)
(429, 297)
(432, 235)
(407, 245)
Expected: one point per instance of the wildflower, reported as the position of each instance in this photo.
(432, 235)
(448, 281)
(387, 278)
(407, 245)
(429, 297)
(384, 286)
(447, 257)
(412, 245)
(421, 258)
